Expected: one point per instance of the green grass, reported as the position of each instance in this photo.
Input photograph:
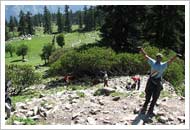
(165, 94)
(27, 121)
(80, 94)
(142, 95)
(73, 39)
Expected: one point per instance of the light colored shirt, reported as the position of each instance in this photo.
(157, 69)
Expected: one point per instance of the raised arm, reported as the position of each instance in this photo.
(143, 52)
(173, 58)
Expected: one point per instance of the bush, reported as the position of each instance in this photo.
(22, 76)
(9, 48)
(60, 40)
(22, 50)
(46, 52)
(93, 60)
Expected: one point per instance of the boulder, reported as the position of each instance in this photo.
(94, 111)
(163, 119)
(181, 119)
(116, 98)
(36, 117)
(75, 115)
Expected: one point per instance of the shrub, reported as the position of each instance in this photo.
(22, 76)
(9, 48)
(46, 52)
(93, 60)
(22, 50)
(60, 40)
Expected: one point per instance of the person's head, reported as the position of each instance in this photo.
(159, 57)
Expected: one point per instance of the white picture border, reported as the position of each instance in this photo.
(4, 3)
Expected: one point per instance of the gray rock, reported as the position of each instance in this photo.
(67, 106)
(171, 118)
(36, 117)
(165, 99)
(48, 107)
(136, 110)
(30, 113)
(160, 113)
(124, 107)
(94, 111)
(163, 119)
(41, 95)
(101, 102)
(105, 121)
(116, 98)
(91, 121)
(75, 115)
(21, 105)
(181, 119)
(105, 112)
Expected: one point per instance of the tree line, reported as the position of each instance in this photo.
(88, 19)
(123, 27)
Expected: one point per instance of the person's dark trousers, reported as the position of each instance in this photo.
(153, 89)
(139, 83)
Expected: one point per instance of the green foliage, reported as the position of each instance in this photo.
(27, 121)
(60, 40)
(93, 60)
(9, 48)
(22, 76)
(46, 52)
(22, 50)
(80, 94)
(47, 23)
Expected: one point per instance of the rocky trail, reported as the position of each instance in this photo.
(120, 107)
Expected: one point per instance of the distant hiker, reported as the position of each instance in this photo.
(137, 81)
(128, 86)
(154, 83)
(8, 101)
(105, 79)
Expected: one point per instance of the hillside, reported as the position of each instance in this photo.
(80, 106)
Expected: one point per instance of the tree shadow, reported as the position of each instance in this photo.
(60, 82)
(142, 117)
(18, 60)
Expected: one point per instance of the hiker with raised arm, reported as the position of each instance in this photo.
(154, 83)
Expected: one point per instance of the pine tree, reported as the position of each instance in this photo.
(80, 20)
(67, 20)
(15, 21)
(11, 24)
(85, 18)
(47, 21)
(22, 23)
(59, 21)
(6, 31)
(29, 28)
(165, 27)
(122, 27)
